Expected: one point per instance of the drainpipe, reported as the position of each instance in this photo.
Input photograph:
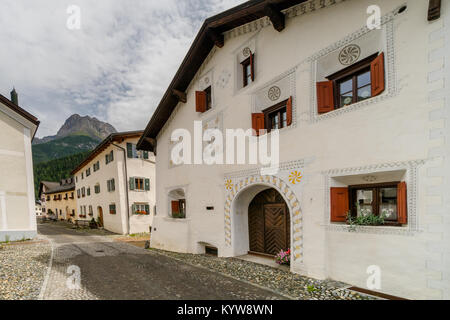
(126, 183)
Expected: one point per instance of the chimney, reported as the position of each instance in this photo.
(14, 97)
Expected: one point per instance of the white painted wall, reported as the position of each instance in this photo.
(387, 133)
(17, 214)
(116, 169)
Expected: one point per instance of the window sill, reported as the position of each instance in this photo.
(180, 220)
(402, 230)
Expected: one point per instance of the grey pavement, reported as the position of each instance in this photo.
(110, 270)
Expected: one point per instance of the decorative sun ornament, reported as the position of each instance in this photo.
(229, 185)
(246, 51)
(274, 93)
(349, 54)
(295, 177)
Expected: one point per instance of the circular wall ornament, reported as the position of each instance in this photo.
(246, 51)
(349, 54)
(274, 93)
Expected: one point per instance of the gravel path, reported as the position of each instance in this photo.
(284, 282)
(22, 270)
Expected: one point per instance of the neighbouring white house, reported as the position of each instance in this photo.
(115, 185)
(17, 200)
(363, 127)
(38, 209)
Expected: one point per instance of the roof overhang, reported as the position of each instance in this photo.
(30, 122)
(210, 34)
(113, 137)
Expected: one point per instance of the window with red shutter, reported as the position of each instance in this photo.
(339, 204)
(289, 111)
(325, 97)
(258, 122)
(402, 207)
(200, 101)
(175, 207)
(377, 75)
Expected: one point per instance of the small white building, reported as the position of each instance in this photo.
(115, 185)
(363, 116)
(38, 209)
(17, 200)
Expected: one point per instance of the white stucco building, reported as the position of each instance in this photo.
(363, 117)
(17, 200)
(115, 185)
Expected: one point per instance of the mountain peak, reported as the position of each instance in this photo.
(81, 125)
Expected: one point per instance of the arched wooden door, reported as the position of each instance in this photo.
(269, 223)
(100, 216)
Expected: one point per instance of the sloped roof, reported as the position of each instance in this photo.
(113, 137)
(247, 12)
(25, 114)
(55, 187)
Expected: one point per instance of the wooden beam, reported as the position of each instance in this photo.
(434, 10)
(275, 16)
(180, 95)
(152, 143)
(215, 37)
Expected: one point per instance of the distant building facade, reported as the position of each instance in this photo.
(17, 200)
(115, 185)
(58, 199)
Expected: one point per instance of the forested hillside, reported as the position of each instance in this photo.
(63, 147)
(55, 170)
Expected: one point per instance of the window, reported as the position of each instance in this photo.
(48, 198)
(362, 80)
(110, 184)
(109, 157)
(88, 172)
(387, 200)
(97, 188)
(78, 193)
(82, 175)
(112, 209)
(139, 184)
(131, 150)
(71, 195)
(178, 208)
(248, 70)
(97, 166)
(276, 117)
(76, 179)
(203, 100)
(208, 98)
(89, 191)
(141, 208)
(91, 212)
(66, 196)
(83, 192)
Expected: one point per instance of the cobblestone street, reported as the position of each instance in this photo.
(117, 270)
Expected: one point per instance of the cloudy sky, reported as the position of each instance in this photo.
(115, 67)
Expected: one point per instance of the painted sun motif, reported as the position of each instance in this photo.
(295, 177)
(229, 184)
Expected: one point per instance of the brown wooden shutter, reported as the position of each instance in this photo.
(252, 66)
(325, 97)
(402, 207)
(289, 111)
(200, 101)
(339, 204)
(175, 206)
(377, 75)
(258, 122)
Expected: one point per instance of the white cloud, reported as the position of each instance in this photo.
(116, 67)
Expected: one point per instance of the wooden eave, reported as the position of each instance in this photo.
(199, 50)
